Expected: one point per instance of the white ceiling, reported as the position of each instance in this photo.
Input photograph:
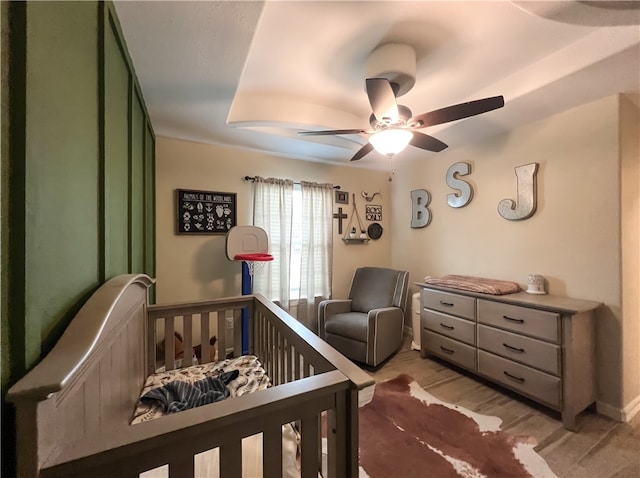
(252, 74)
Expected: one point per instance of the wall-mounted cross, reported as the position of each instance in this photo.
(340, 216)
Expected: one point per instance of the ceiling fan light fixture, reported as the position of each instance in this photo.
(391, 141)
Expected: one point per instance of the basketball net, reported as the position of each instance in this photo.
(255, 262)
(256, 267)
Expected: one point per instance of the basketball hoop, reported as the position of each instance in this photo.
(255, 261)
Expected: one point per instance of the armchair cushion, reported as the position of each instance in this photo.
(352, 325)
(374, 288)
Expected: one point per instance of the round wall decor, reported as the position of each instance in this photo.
(374, 230)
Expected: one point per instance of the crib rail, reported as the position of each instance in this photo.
(286, 348)
(288, 351)
(175, 439)
(309, 378)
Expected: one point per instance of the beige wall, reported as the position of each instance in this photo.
(573, 239)
(193, 267)
(630, 209)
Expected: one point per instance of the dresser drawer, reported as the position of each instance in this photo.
(533, 383)
(450, 350)
(535, 323)
(533, 352)
(460, 305)
(459, 329)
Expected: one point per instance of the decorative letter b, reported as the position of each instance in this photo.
(420, 214)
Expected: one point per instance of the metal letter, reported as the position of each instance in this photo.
(465, 195)
(420, 214)
(526, 204)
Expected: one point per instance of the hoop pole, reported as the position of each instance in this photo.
(247, 289)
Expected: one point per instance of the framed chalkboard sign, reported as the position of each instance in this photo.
(205, 212)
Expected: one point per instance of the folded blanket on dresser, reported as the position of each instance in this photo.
(474, 284)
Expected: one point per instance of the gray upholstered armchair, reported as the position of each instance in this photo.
(368, 326)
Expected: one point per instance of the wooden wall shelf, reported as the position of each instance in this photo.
(355, 240)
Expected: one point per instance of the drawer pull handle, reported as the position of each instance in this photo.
(514, 349)
(447, 351)
(445, 326)
(511, 319)
(513, 377)
(446, 304)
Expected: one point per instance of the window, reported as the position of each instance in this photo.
(298, 221)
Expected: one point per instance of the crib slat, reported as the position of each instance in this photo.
(337, 436)
(280, 354)
(205, 348)
(287, 362)
(237, 334)
(307, 369)
(222, 335)
(309, 447)
(169, 344)
(187, 335)
(151, 346)
(272, 451)
(231, 459)
(263, 340)
(296, 365)
(180, 467)
(272, 352)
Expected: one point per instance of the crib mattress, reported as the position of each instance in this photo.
(252, 377)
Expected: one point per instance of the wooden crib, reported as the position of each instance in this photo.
(74, 409)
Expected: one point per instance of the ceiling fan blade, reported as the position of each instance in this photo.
(382, 99)
(456, 112)
(331, 131)
(366, 149)
(424, 141)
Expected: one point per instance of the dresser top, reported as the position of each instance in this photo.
(553, 303)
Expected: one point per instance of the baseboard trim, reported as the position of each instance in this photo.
(625, 414)
(632, 409)
(610, 411)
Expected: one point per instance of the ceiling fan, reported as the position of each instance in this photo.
(394, 126)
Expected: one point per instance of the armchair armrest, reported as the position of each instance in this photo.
(330, 307)
(385, 332)
(377, 316)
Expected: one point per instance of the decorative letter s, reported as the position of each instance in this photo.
(466, 191)
(526, 185)
(420, 214)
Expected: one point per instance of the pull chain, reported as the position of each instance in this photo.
(393, 170)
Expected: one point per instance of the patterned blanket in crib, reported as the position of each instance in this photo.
(251, 377)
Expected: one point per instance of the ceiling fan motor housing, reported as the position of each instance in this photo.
(397, 63)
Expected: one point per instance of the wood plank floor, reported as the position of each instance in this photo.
(600, 448)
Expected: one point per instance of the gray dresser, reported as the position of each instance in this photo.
(541, 346)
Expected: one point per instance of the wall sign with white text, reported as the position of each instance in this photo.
(204, 212)
(373, 212)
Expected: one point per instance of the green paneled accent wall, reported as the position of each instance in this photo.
(62, 165)
(150, 205)
(117, 85)
(136, 185)
(78, 192)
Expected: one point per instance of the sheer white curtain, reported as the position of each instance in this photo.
(272, 211)
(317, 248)
(298, 221)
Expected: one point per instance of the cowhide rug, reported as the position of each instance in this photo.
(406, 432)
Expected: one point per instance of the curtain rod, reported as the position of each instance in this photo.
(252, 178)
